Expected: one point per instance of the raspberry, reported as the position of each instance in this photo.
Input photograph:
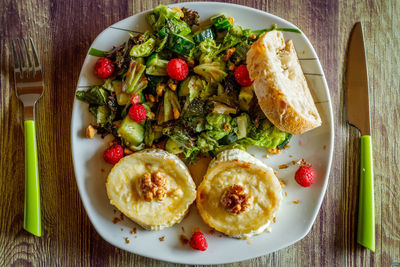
(304, 176)
(198, 241)
(177, 69)
(242, 76)
(113, 154)
(137, 113)
(135, 99)
(104, 68)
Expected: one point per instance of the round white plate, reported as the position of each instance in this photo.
(293, 221)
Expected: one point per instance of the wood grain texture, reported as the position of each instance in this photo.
(63, 31)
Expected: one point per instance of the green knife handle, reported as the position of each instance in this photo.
(366, 214)
(32, 217)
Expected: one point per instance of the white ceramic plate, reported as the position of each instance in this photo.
(293, 221)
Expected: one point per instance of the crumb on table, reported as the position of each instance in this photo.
(162, 238)
(127, 240)
(296, 201)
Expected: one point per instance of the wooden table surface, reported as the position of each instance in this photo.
(63, 31)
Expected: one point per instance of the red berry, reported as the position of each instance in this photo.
(304, 176)
(135, 99)
(242, 76)
(104, 68)
(177, 69)
(137, 113)
(198, 241)
(113, 154)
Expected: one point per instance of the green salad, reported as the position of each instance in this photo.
(205, 111)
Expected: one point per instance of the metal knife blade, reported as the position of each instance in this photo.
(357, 101)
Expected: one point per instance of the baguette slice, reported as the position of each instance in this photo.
(280, 85)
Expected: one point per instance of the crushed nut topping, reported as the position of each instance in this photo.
(234, 199)
(160, 89)
(153, 185)
(91, 131)
(176, 113)
(229, 53)
(172, 85)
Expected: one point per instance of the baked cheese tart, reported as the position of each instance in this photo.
(239, 194)
(152, 187)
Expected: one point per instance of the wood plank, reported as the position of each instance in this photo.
(63, 32)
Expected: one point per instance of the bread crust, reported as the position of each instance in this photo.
(284, 97)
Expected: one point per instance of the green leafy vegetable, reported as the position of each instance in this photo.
(94, 95)
(166, 108)
(143, 50)
(213, 72)
(134, 81)
(220, 22)
(191, 17)
(156, 66)
(209, 50)
(96, 52)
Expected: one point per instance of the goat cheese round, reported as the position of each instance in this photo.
(239, 194)
(152, 187)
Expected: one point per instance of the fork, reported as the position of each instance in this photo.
(29, 88)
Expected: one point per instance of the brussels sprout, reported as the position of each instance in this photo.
(134, 81)
(143, 50)
(213, 72)
(156, 66)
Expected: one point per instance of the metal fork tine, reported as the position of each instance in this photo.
(17, 64)
(28, 56)
(35, 56)
(21, 57)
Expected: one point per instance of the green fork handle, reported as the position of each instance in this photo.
(366, 214)
(32, 217)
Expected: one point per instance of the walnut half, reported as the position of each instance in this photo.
(234, 199)
(153, 186)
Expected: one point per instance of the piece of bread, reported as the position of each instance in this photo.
(280, 85)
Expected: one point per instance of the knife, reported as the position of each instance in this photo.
(357, 109)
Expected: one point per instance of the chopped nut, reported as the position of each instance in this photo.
(90, 131)
(253, 36)
(227, 127)
(160, 89)
(283, 166)
(273, 150)
(177, 9)
(127, 151)
(231, 20)
(153, 185)
(229, 53)
(176, 113)
(190, 63)
(151, 98)
(232, 67)
(172, 86)
(234, 199)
